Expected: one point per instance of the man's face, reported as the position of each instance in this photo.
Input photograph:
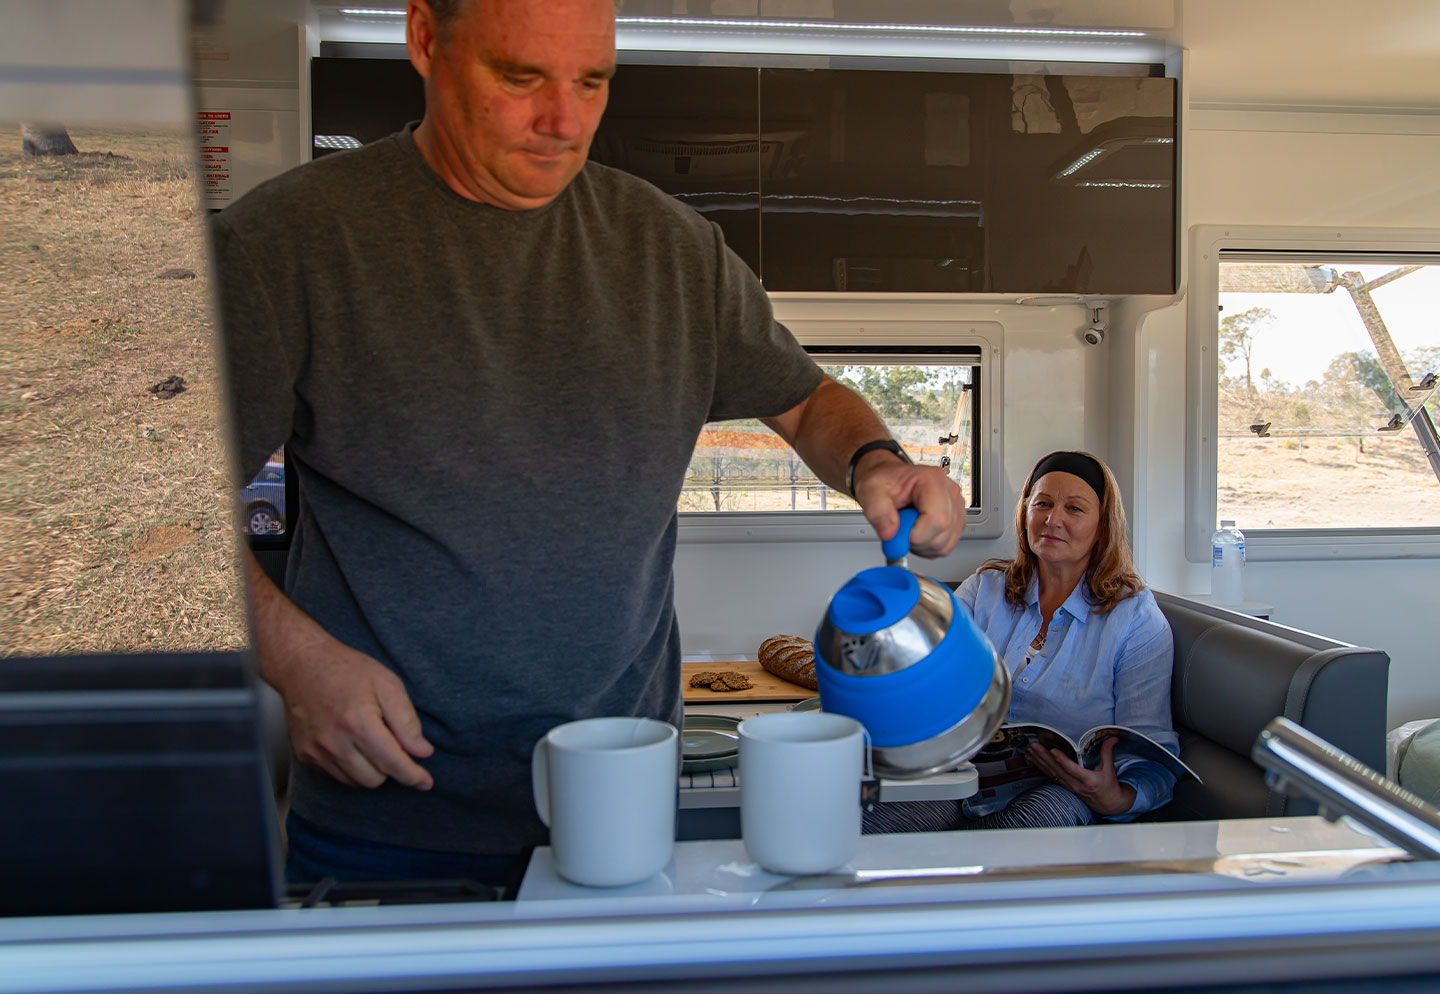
(514, 93)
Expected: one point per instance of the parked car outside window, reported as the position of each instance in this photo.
(263, 499)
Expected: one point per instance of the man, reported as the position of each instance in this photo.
(490, 362)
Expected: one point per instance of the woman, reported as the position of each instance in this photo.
(1085, 645)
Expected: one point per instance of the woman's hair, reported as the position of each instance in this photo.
(1110, 576)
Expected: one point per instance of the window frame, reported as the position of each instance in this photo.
(1208, 244)
(923, 338)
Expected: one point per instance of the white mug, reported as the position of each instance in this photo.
(607, 788)
(800, 774)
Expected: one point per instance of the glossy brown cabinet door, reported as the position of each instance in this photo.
(1082, 198)
(892, 180)
(881, 186)
(693, 131)
(932, 181)
(364, 99)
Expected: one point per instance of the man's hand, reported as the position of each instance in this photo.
(347, 713)
(1099, 788)
(351, 717)
(884, 485)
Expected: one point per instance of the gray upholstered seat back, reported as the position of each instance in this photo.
(1233, 674)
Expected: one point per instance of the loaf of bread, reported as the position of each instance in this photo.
(790, 657)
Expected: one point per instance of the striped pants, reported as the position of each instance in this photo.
(1046, 806)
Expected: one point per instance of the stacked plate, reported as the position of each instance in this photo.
(709, 742)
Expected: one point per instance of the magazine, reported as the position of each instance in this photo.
(1005, 769)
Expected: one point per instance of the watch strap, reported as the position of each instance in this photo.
(889, 444)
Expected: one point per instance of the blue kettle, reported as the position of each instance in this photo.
(899, 654)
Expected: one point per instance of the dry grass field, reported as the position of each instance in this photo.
(1327, 483)
(1380, 480)
(117, 523)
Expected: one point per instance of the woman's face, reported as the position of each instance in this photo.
(1062, 519)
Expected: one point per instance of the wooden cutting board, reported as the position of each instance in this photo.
(764, 685)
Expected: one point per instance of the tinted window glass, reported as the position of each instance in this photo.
(954, 181)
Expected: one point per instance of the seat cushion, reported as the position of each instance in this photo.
(1232, 787)
(1419, 770)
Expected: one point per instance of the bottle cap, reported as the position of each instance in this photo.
(1227, 523)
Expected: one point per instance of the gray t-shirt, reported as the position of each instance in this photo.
(491, 414)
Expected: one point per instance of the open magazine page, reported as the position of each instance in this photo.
(1004, 766)
(1005, 770)
(1131, 743)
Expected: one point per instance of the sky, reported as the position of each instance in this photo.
(1311, 329)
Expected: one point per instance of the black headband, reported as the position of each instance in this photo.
(1074, 463)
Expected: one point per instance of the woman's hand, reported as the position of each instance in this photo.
(1100, 788)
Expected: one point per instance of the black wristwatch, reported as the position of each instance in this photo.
(884, 443)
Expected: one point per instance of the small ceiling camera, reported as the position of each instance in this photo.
(1098, 312)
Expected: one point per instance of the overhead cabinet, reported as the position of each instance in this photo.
(859, 179)
(883, 180)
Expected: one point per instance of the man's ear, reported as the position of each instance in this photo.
(421, 35)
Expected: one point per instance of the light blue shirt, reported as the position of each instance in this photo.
(1095, 669)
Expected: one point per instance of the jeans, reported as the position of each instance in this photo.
(315, 853)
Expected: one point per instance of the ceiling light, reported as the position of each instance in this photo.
(1083, 161)
(752, 25)
(1126, 184)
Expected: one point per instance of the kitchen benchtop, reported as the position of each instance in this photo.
(1258, 850)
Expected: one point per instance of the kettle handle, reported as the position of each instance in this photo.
(897, 546)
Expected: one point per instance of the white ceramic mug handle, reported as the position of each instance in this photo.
(540, 780)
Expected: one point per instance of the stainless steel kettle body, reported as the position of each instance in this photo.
(897, 652)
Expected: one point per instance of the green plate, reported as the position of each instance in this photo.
(709, 742)
(809, 704)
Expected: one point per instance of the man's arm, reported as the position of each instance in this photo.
(828, 426)
(348, 714)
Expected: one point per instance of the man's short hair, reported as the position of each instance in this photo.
(445, 12)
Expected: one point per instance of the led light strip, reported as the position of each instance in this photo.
(1083, 161)
(755, 25)
(700, 22)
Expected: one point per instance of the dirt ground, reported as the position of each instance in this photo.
(1327, 483)
(116, 510)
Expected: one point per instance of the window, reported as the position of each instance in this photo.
(933, 393)
(927, 400)
(1324, 381)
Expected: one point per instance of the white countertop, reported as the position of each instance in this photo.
(1257, 849)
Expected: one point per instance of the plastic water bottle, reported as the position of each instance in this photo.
(1227, 565)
